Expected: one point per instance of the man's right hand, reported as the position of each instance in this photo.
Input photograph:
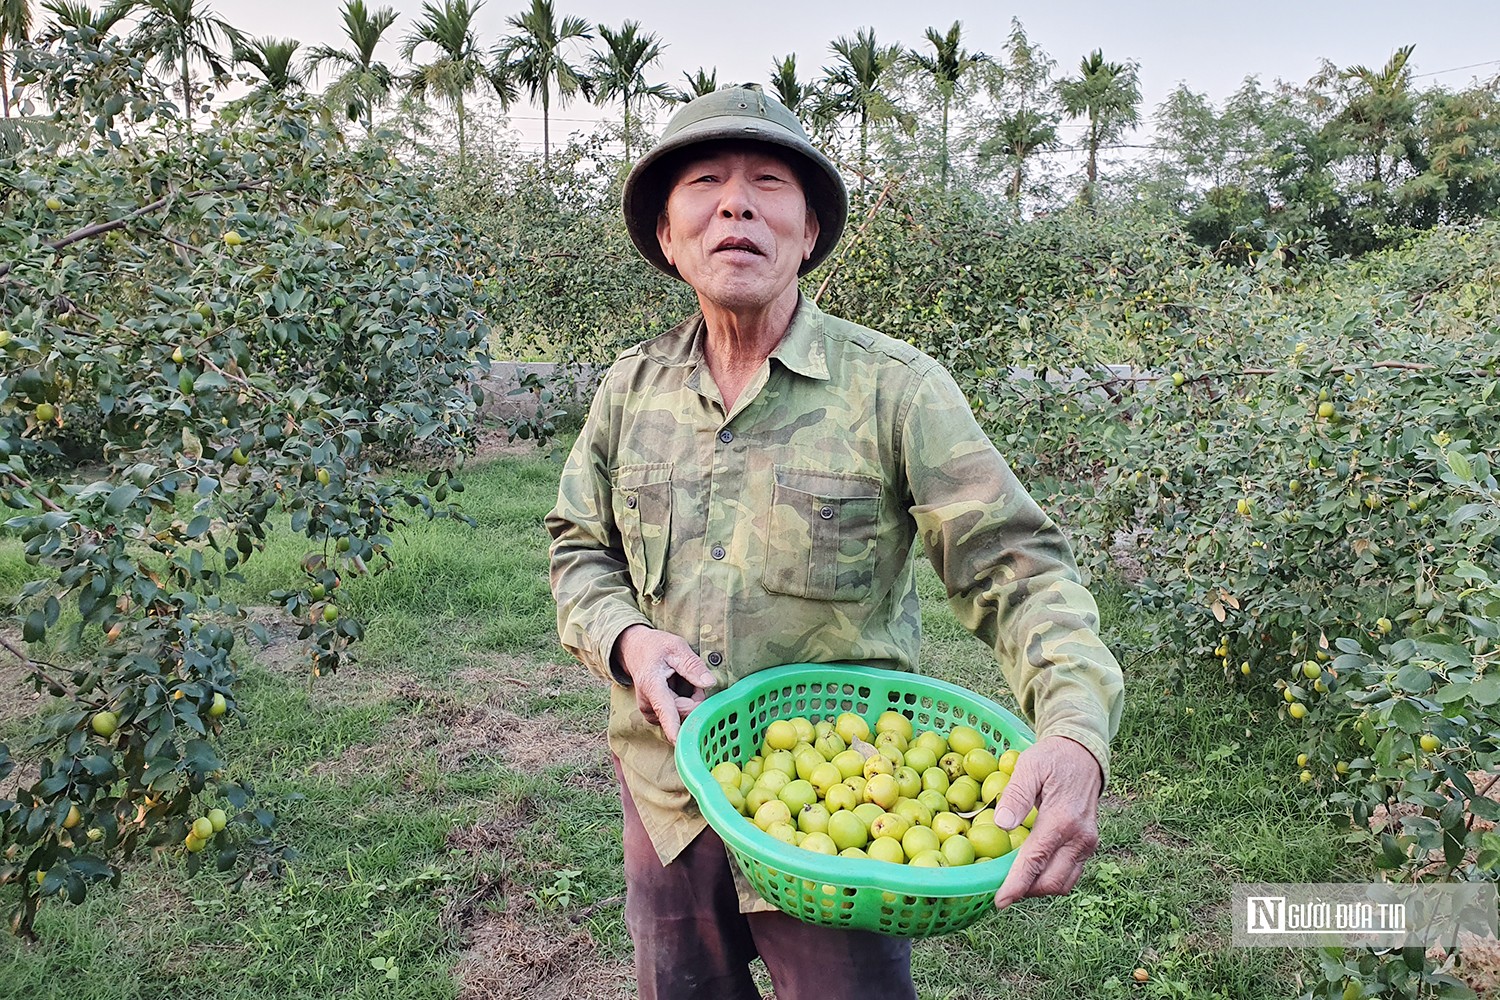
(669, 678)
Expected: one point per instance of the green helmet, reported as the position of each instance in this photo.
(743, 114)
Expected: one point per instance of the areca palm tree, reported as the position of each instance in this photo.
(458, 67)
(855, 85)
(947, 66)
(364, 81)
(1018, 135)
(272, 59)
(1109, 96)
(179, 33)
(1379, 109)
(784, 83)
(537, 61)
(701, 81)
(76, 15)
(1028, 122)
(619, 69)
(15, 27)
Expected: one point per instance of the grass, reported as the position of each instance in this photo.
(452, 813)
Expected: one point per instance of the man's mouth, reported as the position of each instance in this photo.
(739, 244)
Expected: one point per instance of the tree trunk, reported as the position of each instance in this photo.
(945, 141)
(546, 133)
(627, 129)
(459, 105)
(1093, 167)
(187, 91)
(1015, 184)
(4, 87)
(864, 147)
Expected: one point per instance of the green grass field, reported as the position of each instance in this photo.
(455, 828)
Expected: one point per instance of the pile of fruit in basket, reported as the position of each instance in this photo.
(919, 798)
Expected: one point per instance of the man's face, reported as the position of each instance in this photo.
(737, 226)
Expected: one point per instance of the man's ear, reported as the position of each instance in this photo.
(664, 236)
(813, 229)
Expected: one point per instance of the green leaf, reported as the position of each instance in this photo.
(1486, 690)
(1460, 464)
(1406, 716)
(1413, 679)
(122, 497)
(1454, 692)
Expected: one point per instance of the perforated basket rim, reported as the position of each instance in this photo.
(857, 873)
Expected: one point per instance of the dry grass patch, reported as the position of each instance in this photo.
(1155, 833)
(1476, 961)
(1388, 820)
(285, 655)
(520, 951)
(519, 954)
(18, 700)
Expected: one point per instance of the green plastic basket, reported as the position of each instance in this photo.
(851, 893)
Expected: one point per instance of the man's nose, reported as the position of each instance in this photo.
(736, 199)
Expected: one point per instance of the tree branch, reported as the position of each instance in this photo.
(100, 228)
(28, 486)
(33, 666)
(854, 240)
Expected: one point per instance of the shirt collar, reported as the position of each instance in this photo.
(803, 349)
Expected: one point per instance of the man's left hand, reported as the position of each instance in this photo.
(1061, 778)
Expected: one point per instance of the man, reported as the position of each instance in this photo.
(746, 492)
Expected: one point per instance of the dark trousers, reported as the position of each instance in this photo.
(692, 942)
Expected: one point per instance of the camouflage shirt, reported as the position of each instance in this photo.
(783, 532)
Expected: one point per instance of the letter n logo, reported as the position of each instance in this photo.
(1265, 914)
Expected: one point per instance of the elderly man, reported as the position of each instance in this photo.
(747, 491)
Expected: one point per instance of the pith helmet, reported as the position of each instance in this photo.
(734, 113)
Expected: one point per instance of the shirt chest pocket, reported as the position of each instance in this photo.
(642, 503)
(820, 539)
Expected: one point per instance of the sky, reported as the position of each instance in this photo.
(1210, 46)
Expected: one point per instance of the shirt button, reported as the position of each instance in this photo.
(717, 552)
(630, 501)
(715, 658)
(825, 512)
(726, 436)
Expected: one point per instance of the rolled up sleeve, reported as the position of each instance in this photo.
(1009, 572)
(589, 574)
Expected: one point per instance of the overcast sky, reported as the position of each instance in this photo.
(1211, 46)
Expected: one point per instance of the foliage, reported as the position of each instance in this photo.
(179, 33)
(241, 326)
(787, 87)
(457, 69)
(569, 285)
(946, 68)
(620, 71)
(15, 29)
(1108, 95)
(1023, 115)
(273, 59)
(857, 86)
(1302, 457)
(699, 82)
(365, 82)
(535, 58)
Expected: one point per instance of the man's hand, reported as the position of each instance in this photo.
(1061, 778)
(669, 678)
